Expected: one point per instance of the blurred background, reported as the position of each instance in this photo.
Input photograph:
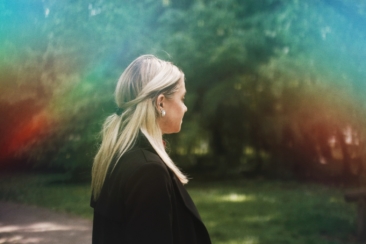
(275, 87)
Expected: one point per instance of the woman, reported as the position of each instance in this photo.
(137, 190)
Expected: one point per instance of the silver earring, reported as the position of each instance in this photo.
(163, 112)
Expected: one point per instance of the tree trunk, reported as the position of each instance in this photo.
(346, 169)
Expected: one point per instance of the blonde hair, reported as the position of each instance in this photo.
(137, 90)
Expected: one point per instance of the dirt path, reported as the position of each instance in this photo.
(21, 224)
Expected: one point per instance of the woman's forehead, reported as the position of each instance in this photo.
(182, 86)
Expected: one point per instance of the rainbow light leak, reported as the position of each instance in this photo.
(28, 112)
(33, 108)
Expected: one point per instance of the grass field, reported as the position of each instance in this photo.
(240, 211)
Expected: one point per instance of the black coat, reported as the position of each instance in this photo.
(142, 201)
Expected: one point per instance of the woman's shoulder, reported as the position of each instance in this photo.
(137, 159)
(140, 156)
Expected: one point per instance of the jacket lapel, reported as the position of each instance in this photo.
(185, 197)
(144, 143)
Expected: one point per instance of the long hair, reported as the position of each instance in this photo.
(137, 90)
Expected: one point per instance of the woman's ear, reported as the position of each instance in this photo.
(160, 101)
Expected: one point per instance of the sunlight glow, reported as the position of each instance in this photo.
(260, 218)
(247, 240)
(335, 200)
(233, 197)
(46, 12)
(40, 227)
(19, 239)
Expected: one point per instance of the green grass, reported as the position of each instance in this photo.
(241, 211)
(46, 191)
(261, 212)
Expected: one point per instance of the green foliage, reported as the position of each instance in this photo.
(273, 78)
(269, 82)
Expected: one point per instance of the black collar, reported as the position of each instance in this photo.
(143, 143)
